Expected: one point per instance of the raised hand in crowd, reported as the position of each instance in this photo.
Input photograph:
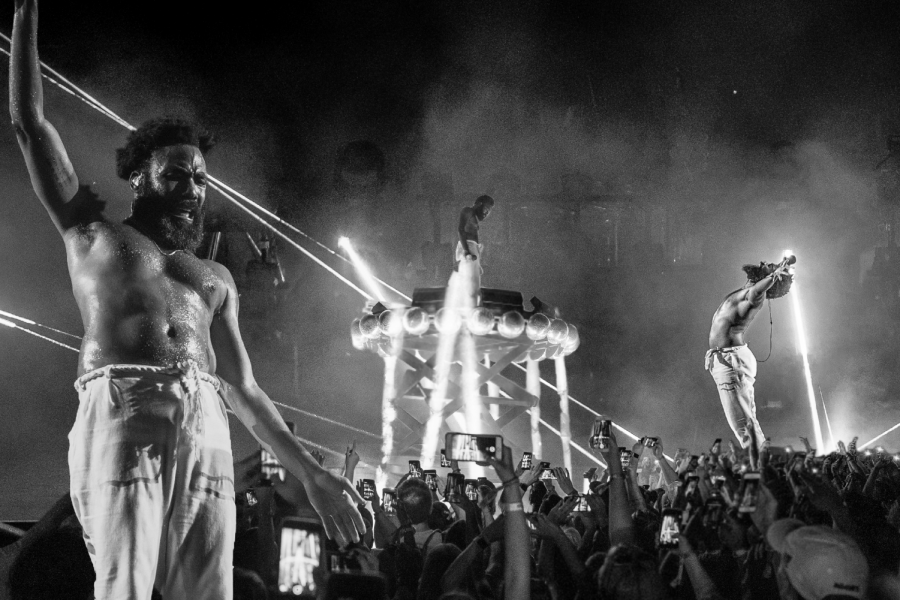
(351, 459)
(564, 481)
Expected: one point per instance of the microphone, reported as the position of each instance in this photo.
(789, 260)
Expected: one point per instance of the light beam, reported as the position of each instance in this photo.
(879, 436)
(362, 269)
(807, 374)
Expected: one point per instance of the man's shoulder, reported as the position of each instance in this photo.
(220, 270)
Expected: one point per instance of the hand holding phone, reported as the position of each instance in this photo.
(750, 494)
(525, 463)
(431, 479)
(546, 471)
(389, 501)
(670, 529)
(301, 549)
(473, 448)
(269, 467)
(367, 488)
(599, 439)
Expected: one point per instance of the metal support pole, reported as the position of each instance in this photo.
(562, 384)
(533, 386)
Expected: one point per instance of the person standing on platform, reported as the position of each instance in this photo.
(469, 248)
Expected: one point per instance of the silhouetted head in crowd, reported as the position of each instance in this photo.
(414, 501)
(436, 564)
(441, 516)
(53, 566)
(629, 573)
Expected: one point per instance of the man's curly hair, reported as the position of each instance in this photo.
(757, 272)
(156, 134)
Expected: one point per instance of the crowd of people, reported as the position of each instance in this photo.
(707, 526)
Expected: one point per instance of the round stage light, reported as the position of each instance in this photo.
(480, 321)
(537, 326)
(572, 341)
(368, 325)
(557, 331)
(447, 320)
(356, 336)
(390, 323)
(511, 324)
(415, 321)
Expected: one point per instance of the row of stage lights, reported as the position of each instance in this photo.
(562, 338)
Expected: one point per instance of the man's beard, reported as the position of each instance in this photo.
(153, 212)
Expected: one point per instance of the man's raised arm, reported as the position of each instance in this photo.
(52, 175)
(757, 293)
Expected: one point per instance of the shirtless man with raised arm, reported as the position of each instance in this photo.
(150, 460)
(729, 360)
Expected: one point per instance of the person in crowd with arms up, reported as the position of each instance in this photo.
(729, 360)
(150, 458)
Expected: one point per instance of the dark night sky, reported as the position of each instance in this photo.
(681, 101)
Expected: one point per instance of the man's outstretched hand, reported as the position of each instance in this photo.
(339, 514)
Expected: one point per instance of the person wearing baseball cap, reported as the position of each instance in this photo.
(817, 562)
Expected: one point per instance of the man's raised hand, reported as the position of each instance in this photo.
(328, 495)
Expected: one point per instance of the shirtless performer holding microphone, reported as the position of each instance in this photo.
(729, 360)
(150, 459)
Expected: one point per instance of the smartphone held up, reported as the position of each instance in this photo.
(300, 551)
(750, 495)
(473, 447)
(599, 439)
(670, 529)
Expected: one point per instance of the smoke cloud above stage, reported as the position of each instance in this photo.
(639, 154)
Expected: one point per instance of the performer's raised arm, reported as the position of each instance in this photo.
(757, 292)
(52, 175)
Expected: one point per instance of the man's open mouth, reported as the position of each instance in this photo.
(185, 214)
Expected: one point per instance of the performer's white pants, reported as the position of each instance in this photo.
(734, 371)
(152, 482)
(470, 271)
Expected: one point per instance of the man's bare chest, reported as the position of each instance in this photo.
(134, 267)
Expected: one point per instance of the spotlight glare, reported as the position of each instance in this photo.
(343, 242)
